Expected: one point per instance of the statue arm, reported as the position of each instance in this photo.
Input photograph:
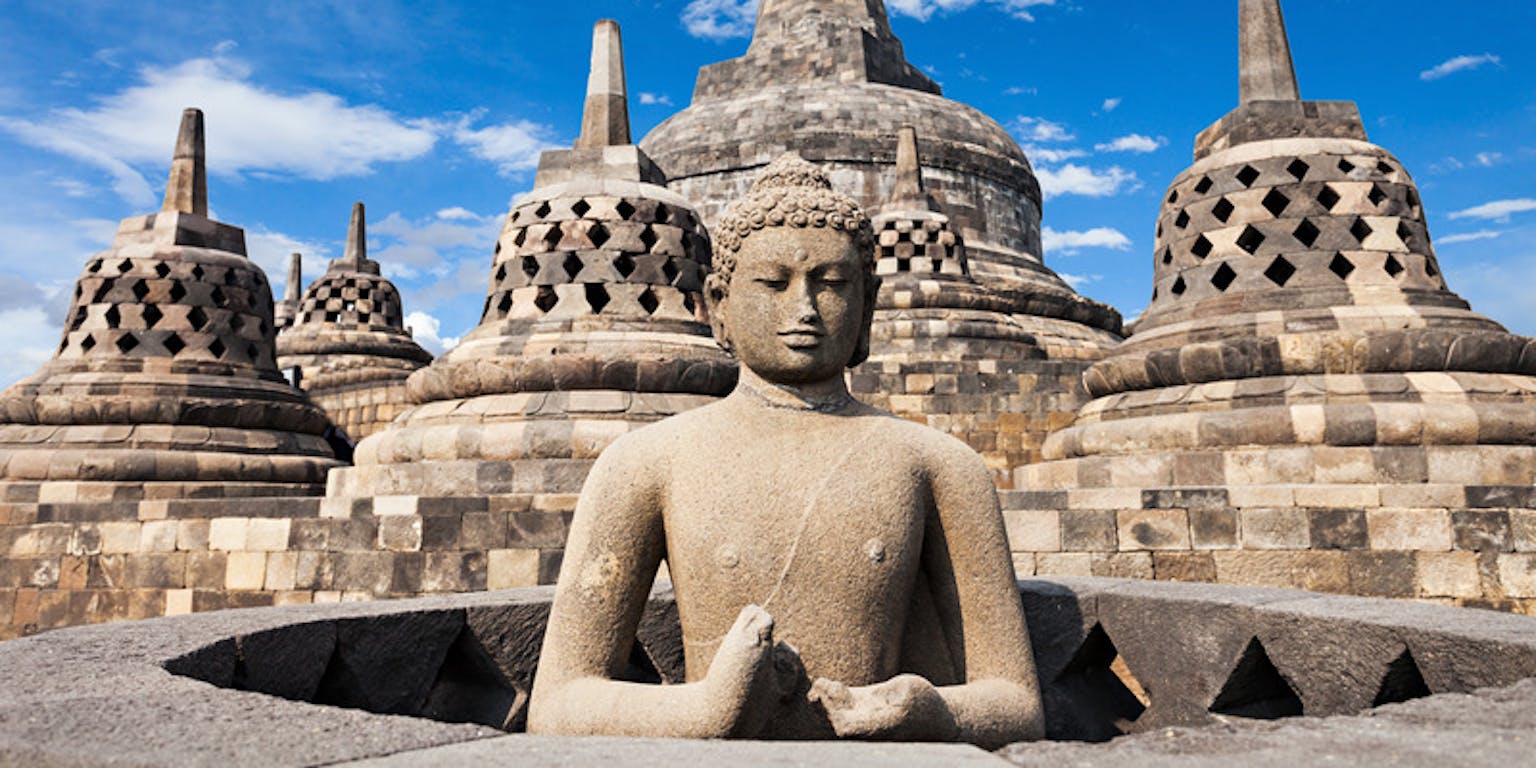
(616, 543)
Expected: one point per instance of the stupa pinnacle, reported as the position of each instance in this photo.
(1267, 73)
(350, 342)
(287, 310)
(164, 383)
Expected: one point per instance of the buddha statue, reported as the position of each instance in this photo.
(838, 572)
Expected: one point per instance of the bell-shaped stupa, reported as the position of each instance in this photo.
(937, 331)
(592, 327)
(349, 341)
(1303, 382)
(165, 383)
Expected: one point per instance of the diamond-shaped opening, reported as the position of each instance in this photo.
(1202, 247)
(1101, 696)
(597, 297)
(197, 318)
(81, 314)
(501, 273)
(1179, 287)
(530, 266)
(94, 266)
(497, 251)
(649, 302)
(624, 209)
(197, 271)
(1393, 266)
(127, 343)
(1386, 168)
(547, 299)
(1280, 271)
(88, 343)
(174, 344)
(1167, 255)
(624, 264)
(1298, 168)
(229, 277)
(236, 322)
(598, 234)
(1223, 210)
(177, 291)
(1327, 197)
(648, 237)
(1159, 229)
(1182, 221)
(1376, 195)
(1173, 196)
(543, 210)
(102, 290)
(669, 270)
(1404, 233)
(521, 237)
(219, 299)
(1402, 682)
(1341, 266)
(1256, 689)
(572, 265)
(125, 266)
(364, 317)
(1346, 166)
(162, 269)
(1204, 185)
(580, 208)
(688, 303)
(1276, 202)
(504, 304)
(1431, 269)
(140, 289)
(251, 352)
(333, 317)
(113, 316)
(1307, 233)
(1248, 175)
(663, 213)
(552, 236)
(1250, 239)
(1223, 278)
(1360, 229)
(1413, 200)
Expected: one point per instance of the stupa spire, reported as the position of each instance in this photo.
(356, 251)
(1267, 72)
(909, 191)
(294, 287)
(187, 189)
(605, 118)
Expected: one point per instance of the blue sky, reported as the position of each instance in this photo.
(435, 118)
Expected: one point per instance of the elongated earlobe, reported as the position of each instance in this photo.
(861, 349)
(716, 293)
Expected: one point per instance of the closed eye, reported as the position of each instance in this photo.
(777, 285)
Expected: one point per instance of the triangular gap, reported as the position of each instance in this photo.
(471, 688)
(1403, 681)
(640, 669)
(1256, 689)
(1105, 697)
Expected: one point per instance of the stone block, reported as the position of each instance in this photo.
(1121, 565)
(282, 567)
(158, 536)
(1153, 529)
(400, 533)
(74, 572)
(1424, 530)
(192, 535)
(1482, 530)
(1213, 528)
(1517, 575)
(178, 602)
(1033, 530)
(483, 531)
(1449, 574)
(1522, 526)
(119, 537)
(206, 570)
(1338, 529)
(245, 571)
(1332, 496)
(1270, 496)
(454, 572)
(1184, 566)
(1275, 529)
(1316, 571)
(512, 568)
(1383, 574)
(1064, 564)
(227, 534)
(267, 534)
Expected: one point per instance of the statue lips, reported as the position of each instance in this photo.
(802, 338)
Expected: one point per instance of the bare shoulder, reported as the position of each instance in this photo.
(941, 453)
(652, 445)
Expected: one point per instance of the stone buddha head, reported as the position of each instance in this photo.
(793, 289)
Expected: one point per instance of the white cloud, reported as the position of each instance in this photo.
(922, 10)
(1111, 105)
(1458, 64)
(458, 213)
(270, 251)
(1073, 179)
(1070, 242)
(649, 99)
(250, 128)
(1489, 159)
(1019, 90)
(513, 147)
(1133, 143)
(1498, 210)
(1040, 130)
(1468, 237)
(1043, 154)
(1078, 281)
(1500, 289)
(719, 19)
(27, 334)
(425, 329)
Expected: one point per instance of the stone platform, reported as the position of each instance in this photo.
(1197, 674)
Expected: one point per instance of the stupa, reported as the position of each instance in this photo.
(592, 327)
(349, 340)
(165, 383)
(286, 312)
(1305, 402)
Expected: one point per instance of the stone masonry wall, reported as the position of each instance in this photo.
(1463, 545)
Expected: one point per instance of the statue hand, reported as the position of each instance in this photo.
(751, 674)
(904, 708)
